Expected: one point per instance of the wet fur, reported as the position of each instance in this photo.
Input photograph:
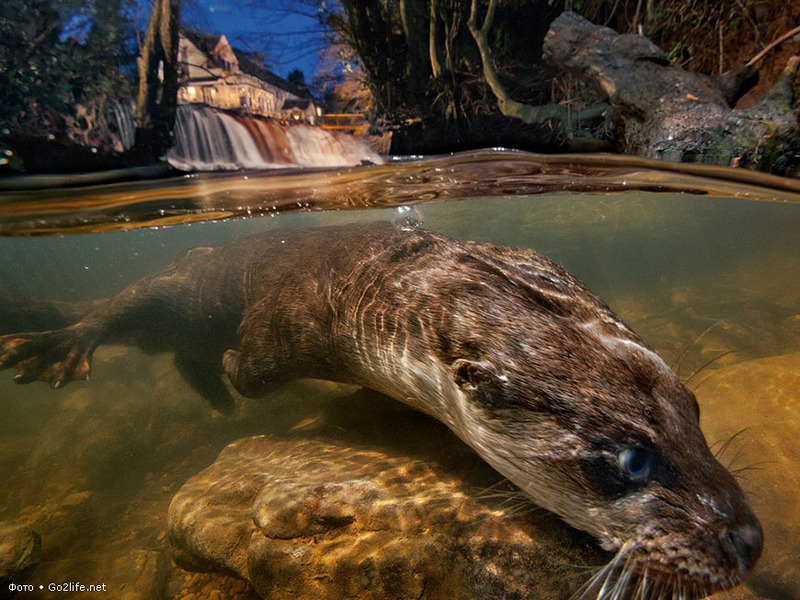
(520, 359)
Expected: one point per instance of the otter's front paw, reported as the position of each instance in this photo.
(252, 375)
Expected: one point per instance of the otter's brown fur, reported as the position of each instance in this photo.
(521, 360)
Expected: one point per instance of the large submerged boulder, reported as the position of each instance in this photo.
(319, 519)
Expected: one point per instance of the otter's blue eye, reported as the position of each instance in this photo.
(635, 463)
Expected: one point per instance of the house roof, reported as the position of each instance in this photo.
(205, 43)
(250, 66)
(249, 63)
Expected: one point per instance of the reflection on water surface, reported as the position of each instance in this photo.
(42, 205)
(709, 281)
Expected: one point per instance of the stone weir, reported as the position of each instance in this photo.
(209, 139)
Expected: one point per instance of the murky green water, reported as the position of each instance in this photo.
(712, 283)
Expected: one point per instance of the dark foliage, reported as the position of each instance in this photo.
(60, 59)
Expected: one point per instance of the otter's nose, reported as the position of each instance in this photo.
(746, 542)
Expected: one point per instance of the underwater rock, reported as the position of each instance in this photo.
(317, 519)
(765, 394)
(19, 552)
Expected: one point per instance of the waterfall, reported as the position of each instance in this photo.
(120, 119)
(210, 139)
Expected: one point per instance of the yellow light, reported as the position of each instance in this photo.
(191, 91)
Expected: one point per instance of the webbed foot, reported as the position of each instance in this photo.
(56, 357)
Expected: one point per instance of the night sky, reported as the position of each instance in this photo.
(287, 40)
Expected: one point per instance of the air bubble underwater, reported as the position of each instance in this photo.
(406, 218)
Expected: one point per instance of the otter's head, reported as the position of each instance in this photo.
(564, 400)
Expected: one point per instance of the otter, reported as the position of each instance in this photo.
(502, 345)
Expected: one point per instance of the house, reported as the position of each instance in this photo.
(298, 110)
(216, 74)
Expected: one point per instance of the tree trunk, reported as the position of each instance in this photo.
(433, 47)
(414, 20)
(368, 30)
(157, 97)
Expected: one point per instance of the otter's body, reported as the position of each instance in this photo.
(517, 357)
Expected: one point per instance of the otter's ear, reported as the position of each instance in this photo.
(484, 383)
(470, 374)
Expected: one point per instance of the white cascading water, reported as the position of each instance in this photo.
(207, 139)
(315, 147)
(120, 116)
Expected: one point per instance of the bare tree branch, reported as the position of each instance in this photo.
(780, 40)
(509, 107)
